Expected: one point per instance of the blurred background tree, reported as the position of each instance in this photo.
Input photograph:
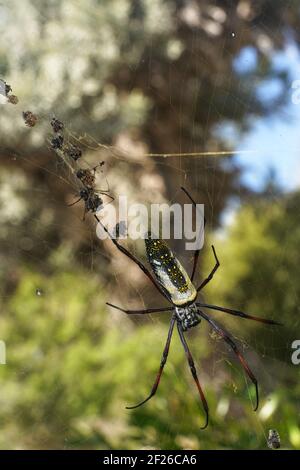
(159, 76)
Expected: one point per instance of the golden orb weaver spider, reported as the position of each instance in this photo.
(172, 281)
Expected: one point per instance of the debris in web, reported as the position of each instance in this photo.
(70, 153)
(273, 439)
(57, 125)
(30, 118)
(6, 90)
(4, 87)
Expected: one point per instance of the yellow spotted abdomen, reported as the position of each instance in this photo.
(169, 272)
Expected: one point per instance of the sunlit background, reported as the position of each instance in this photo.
(129, 79)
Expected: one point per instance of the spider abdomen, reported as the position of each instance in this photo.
(188, 316)
(169, 272)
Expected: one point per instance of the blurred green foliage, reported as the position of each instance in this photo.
(73, 364)
(260, 263)
(259, 273)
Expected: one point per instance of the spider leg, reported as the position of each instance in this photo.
(132, 257)
(108, 189)
(104, 193)
(211, 275)
(194, 373)
(238, 313)
(196, 253)
(235, 349)
(95, 168)
(84, 214)
(73, 203)
(161, 368)
(148, 310)
(108, 195)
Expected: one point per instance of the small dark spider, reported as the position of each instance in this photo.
(92, 200)
(57, 142)
(57, 125)
(173, 282)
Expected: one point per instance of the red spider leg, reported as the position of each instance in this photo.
(148, 310)
(196, 253)
(211, 275)
(161, 368)
(194, 373)
(132, 257)
(225, 335)
(238, 313)
(73, 203)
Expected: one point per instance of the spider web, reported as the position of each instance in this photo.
(222, 355)
(175, 163)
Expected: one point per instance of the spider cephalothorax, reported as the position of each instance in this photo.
(172, 281)
(188, 316)
(92, 201)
